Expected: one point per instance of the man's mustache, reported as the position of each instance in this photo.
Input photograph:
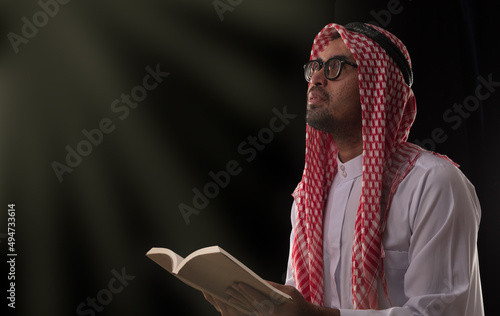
(319, 90)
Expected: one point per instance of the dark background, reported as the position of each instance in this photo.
(226, 77)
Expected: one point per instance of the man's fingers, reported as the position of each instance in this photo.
(211, 300)
(246, 293)
(238, 298)
(245, 296)
(260, 304)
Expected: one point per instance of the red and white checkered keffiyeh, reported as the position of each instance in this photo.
(388, 111)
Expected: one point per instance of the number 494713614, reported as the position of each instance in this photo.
(11, 224)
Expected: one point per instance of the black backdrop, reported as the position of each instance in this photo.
(228, 74)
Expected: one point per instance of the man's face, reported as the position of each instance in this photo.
(334, 106)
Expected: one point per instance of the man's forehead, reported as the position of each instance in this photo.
(336, 48)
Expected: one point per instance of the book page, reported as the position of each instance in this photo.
(171, 262)
(215, 270)
(166, 258)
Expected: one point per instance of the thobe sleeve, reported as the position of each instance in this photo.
(289, 274)
(443, 273)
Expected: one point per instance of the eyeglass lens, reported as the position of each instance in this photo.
(331, 71)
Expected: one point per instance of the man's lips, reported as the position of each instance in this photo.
(316, 97)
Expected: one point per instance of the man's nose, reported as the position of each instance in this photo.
(318, 78)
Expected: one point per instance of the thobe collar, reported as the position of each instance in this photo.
(351, 169)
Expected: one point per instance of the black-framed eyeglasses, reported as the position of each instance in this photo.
(333, 68)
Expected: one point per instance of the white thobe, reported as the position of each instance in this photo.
(430, 242)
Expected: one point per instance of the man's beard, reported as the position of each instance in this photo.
(321, 119)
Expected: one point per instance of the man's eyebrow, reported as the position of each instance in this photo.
(341, 57)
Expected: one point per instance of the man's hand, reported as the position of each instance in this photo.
(261, 305)
(221, 307)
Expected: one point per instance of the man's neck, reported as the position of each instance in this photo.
(350, 151)
(349, 145)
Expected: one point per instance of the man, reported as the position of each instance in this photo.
(379, 226)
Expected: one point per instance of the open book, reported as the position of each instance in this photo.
(213, 270)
